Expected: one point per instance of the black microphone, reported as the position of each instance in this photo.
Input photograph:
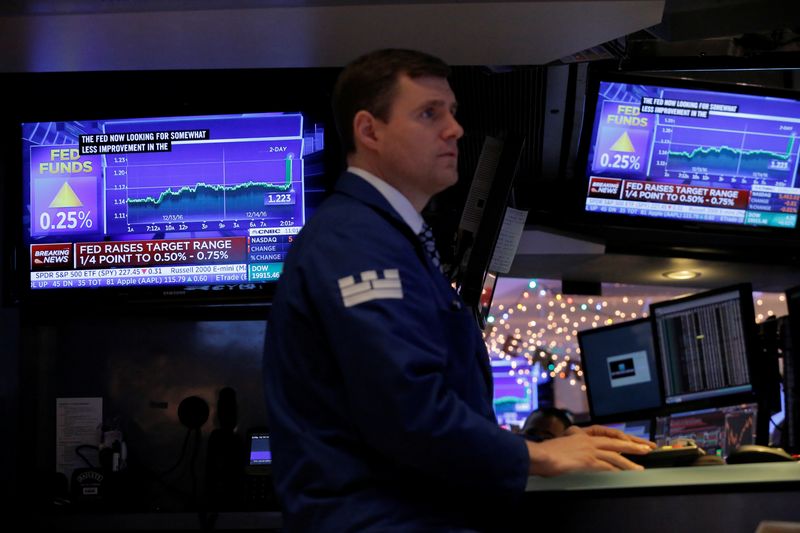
(193, 412)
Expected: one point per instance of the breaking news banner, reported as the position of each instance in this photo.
(139, 253)
(672, 193)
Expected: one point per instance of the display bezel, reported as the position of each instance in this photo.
(732, 235)
(756, 392)
(629, 415)
(305, 91)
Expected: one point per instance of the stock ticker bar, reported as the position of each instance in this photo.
(257, 257)
(761, 205)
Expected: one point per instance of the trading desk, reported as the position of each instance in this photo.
(703, 499)
(698, 499)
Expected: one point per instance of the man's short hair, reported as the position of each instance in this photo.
(369, 83)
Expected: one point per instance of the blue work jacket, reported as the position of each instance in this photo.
(378, 383)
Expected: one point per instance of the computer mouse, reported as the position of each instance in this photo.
(754, 453)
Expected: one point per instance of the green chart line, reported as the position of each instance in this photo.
(169, 194)
(701, 150)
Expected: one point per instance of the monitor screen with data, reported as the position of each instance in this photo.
(707, 347)
(182, 201)
(680, 151)
(717, 430)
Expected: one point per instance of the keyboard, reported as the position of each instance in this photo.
(668, 456)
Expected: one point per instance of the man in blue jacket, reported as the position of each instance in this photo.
(377, 379)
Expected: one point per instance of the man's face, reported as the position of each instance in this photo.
(417, 144)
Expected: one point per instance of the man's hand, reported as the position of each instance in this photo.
(603, 431)
(593, 448)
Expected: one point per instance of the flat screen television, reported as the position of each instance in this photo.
(190, 195)
(707, 349)
(182, 201)
(620, 370)
(671, 153)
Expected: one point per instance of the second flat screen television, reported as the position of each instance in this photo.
(690, 152)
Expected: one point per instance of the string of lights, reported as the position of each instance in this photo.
(539, 324)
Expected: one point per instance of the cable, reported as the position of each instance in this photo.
(182, 455)
(198, 440)
(135, 465)
(89, 447)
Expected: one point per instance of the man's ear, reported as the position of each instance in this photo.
(364, 129)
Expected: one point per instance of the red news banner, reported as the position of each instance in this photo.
(121, 254)
(669, 193)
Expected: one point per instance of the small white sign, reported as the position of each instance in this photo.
(508, 240)
(77, 422)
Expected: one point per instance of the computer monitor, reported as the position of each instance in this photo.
(717, 430)
(515, 395)
(707, 348)
(621, 373)
(481, 221)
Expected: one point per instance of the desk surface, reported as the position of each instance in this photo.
(671, 477)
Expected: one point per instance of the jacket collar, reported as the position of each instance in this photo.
(358, 188)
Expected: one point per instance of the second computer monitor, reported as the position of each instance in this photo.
(619, 365)
(707, 347)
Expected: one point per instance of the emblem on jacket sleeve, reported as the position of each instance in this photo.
(371, 285)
